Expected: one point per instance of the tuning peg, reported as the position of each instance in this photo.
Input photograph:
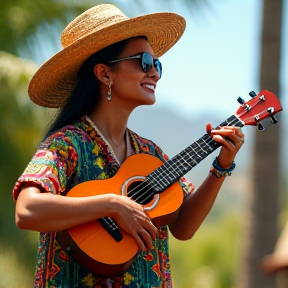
(262, 98)
(260, 127)
(241, 100)
(274, 120)
(252, 94)
(270, 110)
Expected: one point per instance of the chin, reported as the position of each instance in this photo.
(145, 100)
(150, 100)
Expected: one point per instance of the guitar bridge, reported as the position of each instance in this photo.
(110, 226)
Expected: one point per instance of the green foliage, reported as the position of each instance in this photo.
(20, 20)
(211, 257)
(20, 133)
(22, 125)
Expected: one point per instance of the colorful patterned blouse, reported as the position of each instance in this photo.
(74, 154)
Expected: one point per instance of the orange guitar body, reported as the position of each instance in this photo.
(98, 249)
(94, 248)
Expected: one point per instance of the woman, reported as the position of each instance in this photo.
(107, 68)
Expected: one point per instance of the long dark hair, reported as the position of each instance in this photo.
(84, 96)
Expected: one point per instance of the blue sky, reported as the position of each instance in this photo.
(215, 61)
(217, 58)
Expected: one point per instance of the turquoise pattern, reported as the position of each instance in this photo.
(71, 155)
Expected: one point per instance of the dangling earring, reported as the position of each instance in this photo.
(109, 91)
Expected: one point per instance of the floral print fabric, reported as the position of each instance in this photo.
(69, 156)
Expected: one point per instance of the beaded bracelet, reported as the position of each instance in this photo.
(218, 171)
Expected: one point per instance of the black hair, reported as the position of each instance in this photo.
(84, 96)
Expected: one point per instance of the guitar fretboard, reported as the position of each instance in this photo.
(176, 167)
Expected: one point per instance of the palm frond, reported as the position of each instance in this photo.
(14, 75)
(21, 21)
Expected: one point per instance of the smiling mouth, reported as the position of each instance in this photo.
(149, 86)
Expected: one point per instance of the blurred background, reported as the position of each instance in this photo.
(229, 48)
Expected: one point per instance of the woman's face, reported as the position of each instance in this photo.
(130, 84)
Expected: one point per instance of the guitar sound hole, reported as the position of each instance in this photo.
(141, 192)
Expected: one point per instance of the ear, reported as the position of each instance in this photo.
(103, 73)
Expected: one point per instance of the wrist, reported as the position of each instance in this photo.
(223, 162)
(109, 205)
(219, 171)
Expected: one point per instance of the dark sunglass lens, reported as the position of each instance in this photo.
(147, 62)
(158, 67)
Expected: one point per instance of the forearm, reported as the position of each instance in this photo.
(196, 206)
(48, 212)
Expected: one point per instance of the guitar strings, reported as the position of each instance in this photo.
(196, 153)
(210, 140)
(150, 187)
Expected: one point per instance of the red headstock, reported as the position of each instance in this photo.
(261, 106)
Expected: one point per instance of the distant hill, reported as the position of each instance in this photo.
(174, 133)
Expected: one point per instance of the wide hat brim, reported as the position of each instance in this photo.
(52, 83)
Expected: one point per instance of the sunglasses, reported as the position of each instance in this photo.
(147, 62)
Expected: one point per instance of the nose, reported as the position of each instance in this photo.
(153, 73)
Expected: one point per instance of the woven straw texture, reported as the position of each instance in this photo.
(90, 32)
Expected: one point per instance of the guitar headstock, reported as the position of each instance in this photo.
(263, 105)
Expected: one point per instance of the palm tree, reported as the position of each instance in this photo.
(263, 204)
(21, 25)
(266, 177)
(15, 150)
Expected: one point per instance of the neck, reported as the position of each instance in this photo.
(111, 122)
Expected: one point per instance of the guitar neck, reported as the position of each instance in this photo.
(176, 167)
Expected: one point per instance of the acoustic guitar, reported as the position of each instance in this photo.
(105, 249)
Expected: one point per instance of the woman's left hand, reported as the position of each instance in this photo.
(231, 139)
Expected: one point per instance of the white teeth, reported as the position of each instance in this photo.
(152, 87)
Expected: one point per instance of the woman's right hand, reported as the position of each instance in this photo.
(50, 212)
(130, 216)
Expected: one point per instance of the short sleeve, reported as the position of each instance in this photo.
(187, 186)
(52, 166)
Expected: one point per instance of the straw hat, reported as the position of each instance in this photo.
(90, 32)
